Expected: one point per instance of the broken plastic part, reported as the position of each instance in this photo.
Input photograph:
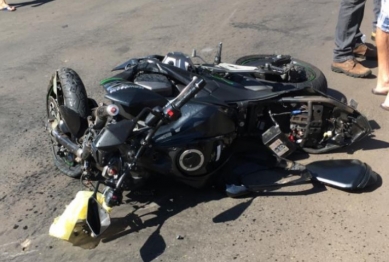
(63, 226)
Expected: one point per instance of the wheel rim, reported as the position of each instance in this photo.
(52, 109)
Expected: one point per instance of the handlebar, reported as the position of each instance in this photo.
(188, 92)
(172, 110)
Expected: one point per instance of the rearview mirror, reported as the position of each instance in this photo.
(97, 218)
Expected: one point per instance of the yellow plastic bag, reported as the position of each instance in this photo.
(63, 226)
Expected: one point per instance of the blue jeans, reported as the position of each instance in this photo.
(347, 34)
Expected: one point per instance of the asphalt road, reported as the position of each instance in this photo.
(92, 36)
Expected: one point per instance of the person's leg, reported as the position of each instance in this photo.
(5, 5)
(347, 35)
(347, 29)
(358, 35)
(382, 41)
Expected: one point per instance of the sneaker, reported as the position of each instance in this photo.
(363, 51)
(351, 68)
(372, 37)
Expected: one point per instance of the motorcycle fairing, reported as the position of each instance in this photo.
(348, 174)
(114, 135)
(133, 100)
(203, 128)
(165, 159)
(156, 83)
(198, 120)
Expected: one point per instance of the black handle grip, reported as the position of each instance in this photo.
(172, 110)
(188, 93)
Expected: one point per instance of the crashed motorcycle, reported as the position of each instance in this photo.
(169, 116)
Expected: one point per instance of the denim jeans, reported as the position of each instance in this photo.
(347, 34)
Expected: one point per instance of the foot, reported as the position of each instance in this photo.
(384, 107)
(8, 8)
(380, 91)
(351, 68)
(363, 51)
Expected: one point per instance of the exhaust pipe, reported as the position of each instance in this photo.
(69, 144)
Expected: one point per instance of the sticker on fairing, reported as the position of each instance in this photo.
(278, 147)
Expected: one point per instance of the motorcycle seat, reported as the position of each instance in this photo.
(255, 86)
(343, 173)
(156, 83)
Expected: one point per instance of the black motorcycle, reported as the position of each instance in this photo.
(188, 123)
(268, 96)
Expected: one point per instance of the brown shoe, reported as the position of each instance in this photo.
(364, 51)
(351, 67)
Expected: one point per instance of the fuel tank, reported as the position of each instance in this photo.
(195, 146)
(199, 120)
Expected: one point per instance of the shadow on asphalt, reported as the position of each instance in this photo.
(366, 144)
(34, 3)
(162, 198)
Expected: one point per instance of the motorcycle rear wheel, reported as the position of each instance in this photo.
(71, 94)
(315, 78)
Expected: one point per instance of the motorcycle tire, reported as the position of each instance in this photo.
(71, 94)
(316, 79)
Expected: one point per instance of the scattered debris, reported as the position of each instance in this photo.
(25, 244)
(180, 237)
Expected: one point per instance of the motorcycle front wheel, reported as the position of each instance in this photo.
(313, 77)
(70, 93)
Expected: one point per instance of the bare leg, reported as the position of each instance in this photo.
(382, 42)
